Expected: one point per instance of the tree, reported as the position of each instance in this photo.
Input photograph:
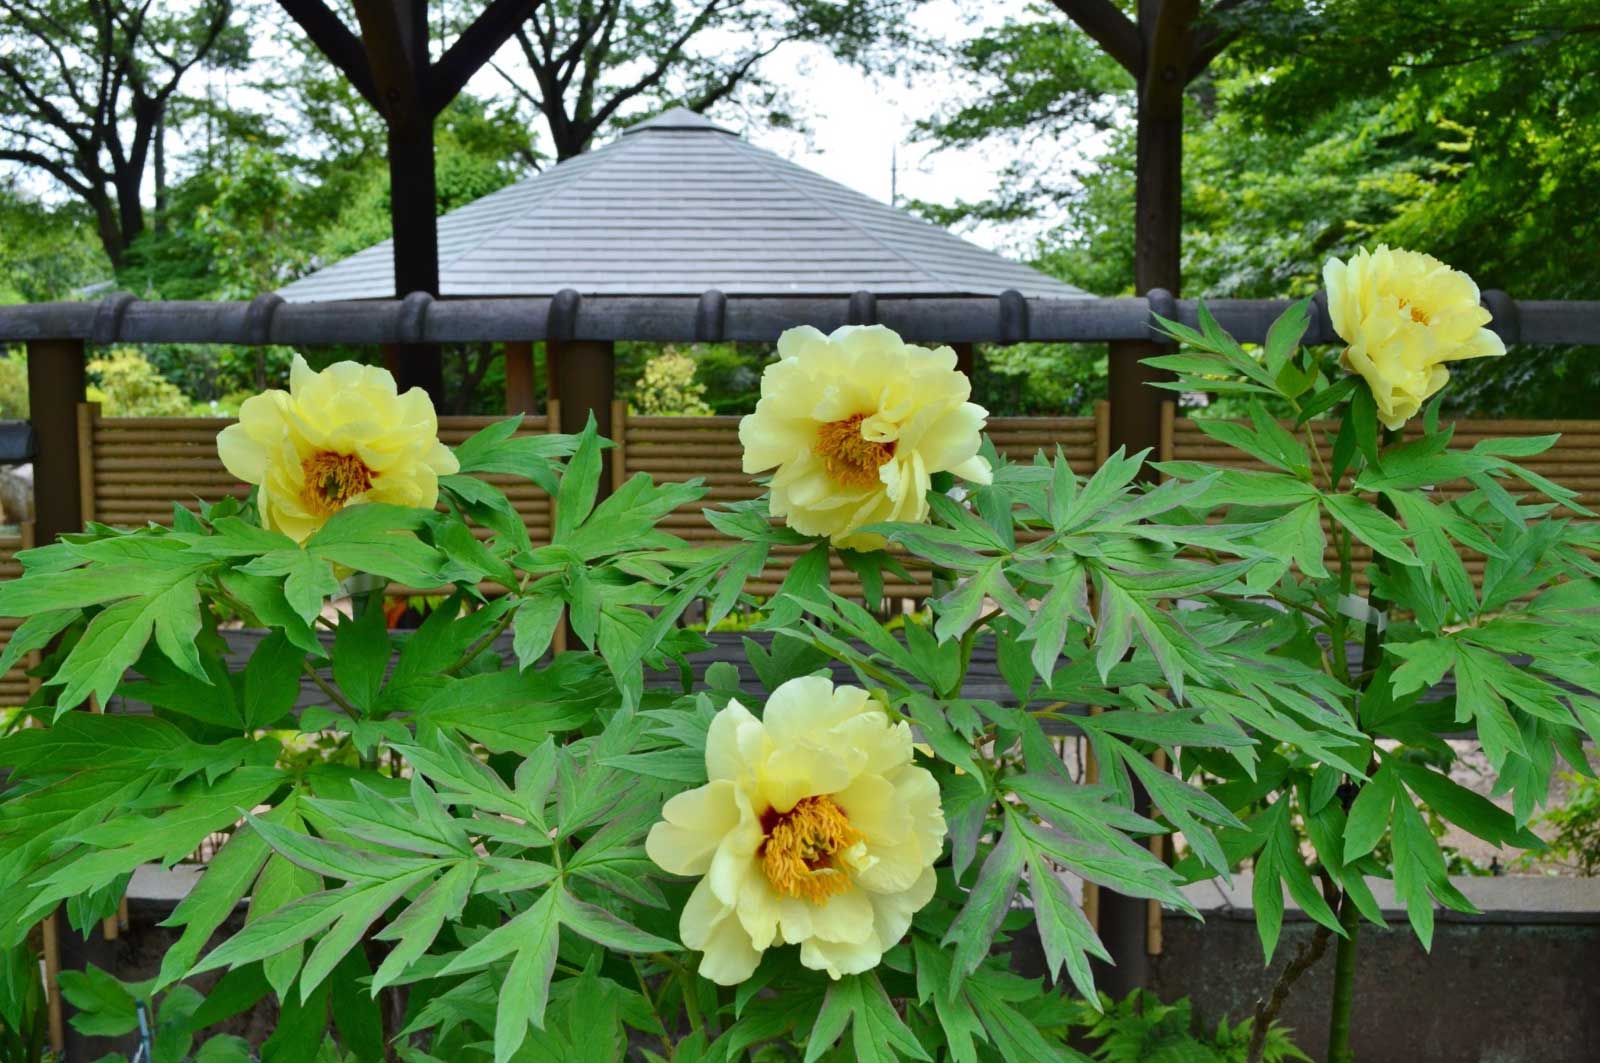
(390, 66)
(46, 251)
(1040, 80)
(1319, 129)
(589, 61)
(85, 90)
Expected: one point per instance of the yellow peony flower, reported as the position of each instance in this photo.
(856, 423)
(1403, 315)
(336, 438)
(815, 829)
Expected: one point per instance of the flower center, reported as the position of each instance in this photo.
(1419, 315)
(332, 480)
(800, 845)
(850, 458)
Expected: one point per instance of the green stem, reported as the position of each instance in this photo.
(1344, 963)
(691, 1000)
(650, 998)
(488, 640)
(1344, 985)
(333, 695)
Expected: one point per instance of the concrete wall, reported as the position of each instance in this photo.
(1518, 984)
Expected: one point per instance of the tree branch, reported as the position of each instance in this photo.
(1111, 29)
(1209, 41)
(593, 59)
(1267, 1008)
(50, 166)
(474, 48)
(335, 41)
(732, 79)
(663, 64)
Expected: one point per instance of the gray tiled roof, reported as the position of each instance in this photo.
(676, 206)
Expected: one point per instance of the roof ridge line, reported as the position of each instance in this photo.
(931, 272)
(871, 236)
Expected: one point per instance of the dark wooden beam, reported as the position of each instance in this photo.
(1111, 30)
(334, 40)
(756, 319)
(475, 47)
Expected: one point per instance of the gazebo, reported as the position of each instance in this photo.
(677, 206)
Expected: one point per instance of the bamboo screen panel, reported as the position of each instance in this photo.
(134, 468)
(1574, 461)
(678, 448)
(14, 685)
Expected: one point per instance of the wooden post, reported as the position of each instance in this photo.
(619, 453)
(1091, 776)
(88, 417)
(520, 394)
(1158, 849)
(55, 387)
(966, 357)
(1164, 66)
(52, 985)
(583, 378)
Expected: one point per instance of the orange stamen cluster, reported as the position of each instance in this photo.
(1419, 315)
(332, 480)
(800, 845)
(849, 457)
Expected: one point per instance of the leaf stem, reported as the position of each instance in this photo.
(328, 689)
(650, 999)
(1344, 984)
(484, 643)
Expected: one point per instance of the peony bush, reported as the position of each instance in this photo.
(476, 841)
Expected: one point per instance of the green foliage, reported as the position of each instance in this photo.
(1574, 826)
(668, 386)
(24, 1023)
(1039, 379)
(1509, 642)
(1141, 1029)
(46, 251)
(127, 385)
(1318, 129)
(455, 829)
(14, 385)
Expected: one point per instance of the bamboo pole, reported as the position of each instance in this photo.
(52, 984)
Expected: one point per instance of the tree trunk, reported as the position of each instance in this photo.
(130, 210)
(105, 223)
(161, 172)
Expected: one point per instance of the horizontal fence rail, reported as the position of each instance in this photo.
(710, 317)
